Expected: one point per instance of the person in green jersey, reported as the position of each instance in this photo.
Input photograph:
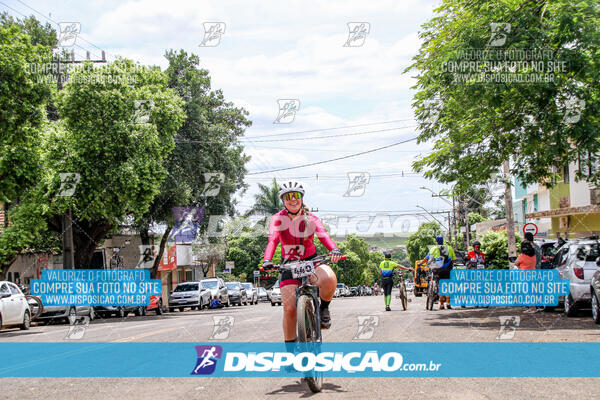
(386, 269)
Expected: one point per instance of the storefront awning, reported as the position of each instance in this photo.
(562, 212)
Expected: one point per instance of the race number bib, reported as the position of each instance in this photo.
(302, 269)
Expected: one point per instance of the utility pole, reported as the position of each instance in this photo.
(510, 218)
(454, 224)
(467, 227)
(67, 219)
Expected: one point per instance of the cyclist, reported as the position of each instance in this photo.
(443, 255)
(294, 227)
(476, 255)
(386, 269)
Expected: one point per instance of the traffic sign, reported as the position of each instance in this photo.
(229, 264)
(530, 227)
(256, 274)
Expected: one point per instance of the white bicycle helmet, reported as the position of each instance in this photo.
(291, 186)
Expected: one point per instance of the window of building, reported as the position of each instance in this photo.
(535, 202)
(566, 174)
(188, 275)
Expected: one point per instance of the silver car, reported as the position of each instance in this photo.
(262, 294)
(217, 289)
(237, 293)
(275, 295)
(576, 261)
(251, 292)
(62, 313)
(189, 294)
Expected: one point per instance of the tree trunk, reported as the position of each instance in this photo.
(510, 218)
(144, 235)
(161, 251)
(86, 237)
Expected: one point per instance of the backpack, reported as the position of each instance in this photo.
(444, 254)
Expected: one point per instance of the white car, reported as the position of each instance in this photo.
(14, 309)
(275, 295)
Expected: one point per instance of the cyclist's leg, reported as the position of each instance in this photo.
(288, 298)
(326, 280)
(387, 285)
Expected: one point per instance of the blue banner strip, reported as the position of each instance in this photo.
(99, 359)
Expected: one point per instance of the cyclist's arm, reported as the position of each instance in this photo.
(274, 237)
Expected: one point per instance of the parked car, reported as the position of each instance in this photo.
(62, 313)
(14, 309)
(251, 292)
(156, 305)
(217, 288)
(262, 294)
(576, 261)
(237, 293)
(189, 294)
(107, 311)
(342, 290)
(275, 295)
(354, 291)
(410, 286)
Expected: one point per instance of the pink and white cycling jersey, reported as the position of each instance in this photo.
(296, 238)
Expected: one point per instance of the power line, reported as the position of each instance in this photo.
(54, 22)
(327, 137)
(331, 129)
(244, 140)
(335, 159)
(344, 177)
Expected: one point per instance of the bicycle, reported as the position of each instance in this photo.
(432, 290)
(36, 308)
(307, 307)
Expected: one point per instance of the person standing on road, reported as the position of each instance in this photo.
(294, 227)
(386, 269)
(476, 256)
(443, 256)
(536, 248)
(527, 260)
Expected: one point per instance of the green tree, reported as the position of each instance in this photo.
(119, 159)
(207, 142)
(417, 244)
(23, 97)
(487, 123)
(266, 201)
(495, 246)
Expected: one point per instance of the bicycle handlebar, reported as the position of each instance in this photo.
(322, 259)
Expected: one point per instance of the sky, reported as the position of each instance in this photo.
(271, 52)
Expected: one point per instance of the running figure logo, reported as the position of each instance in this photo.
(287, 111)
(574, 108)
(78, 325)
(68, 32)
(366, 326)
(222, 327)
(508, 327)
(207, 359)
(68, 183)
(499, 33)
(187, 222)
(357, 183)
(357, 33)
(212, 34)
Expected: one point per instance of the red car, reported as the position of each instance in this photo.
(156, 304)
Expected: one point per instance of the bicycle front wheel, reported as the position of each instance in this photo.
(430, 296)
(35, 306)
(307, 332)
(403, 296)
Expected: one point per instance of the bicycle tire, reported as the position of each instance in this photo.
(307, 332)
(430, 297)
(39, 306)
(403, 296)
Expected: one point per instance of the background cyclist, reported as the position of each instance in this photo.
(475, 256)
(294, 227)
(443, 256)
(386, 269)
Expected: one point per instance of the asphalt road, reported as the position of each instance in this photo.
(263, 323)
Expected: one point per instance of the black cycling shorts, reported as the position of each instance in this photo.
(387, 284)
(286, 278)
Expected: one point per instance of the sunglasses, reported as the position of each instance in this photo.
(292, 195)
